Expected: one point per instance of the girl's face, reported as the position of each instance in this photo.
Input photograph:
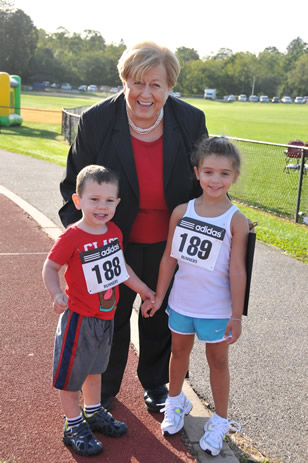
(216, 175)
(146, 97)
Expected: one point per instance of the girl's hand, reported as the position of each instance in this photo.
(60, 303)
(148, 309)
(235, 327)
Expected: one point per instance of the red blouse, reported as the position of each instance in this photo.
(152, 221)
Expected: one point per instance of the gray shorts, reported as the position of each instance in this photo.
(82, 347)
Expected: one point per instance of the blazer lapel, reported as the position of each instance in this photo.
(170, 144)
(122, 142)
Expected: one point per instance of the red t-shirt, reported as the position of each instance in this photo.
(66, 251)
(152, 222)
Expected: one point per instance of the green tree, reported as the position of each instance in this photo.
(295, 50)
(298, 76)
(185, 54)
(270, 73)
(18, 38)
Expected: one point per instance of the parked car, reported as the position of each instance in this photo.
(66, 86)
(82, 88)
(242, 97)
(264, 99)
(286, 99)
(299, 100)
(306, 99)
(275, 99)
(231, 98)
(114, 90)
(253, 99)
(92, 88)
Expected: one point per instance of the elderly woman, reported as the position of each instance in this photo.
(146, 136)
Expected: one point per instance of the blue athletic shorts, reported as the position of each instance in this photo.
(206, 329)
(82, 347)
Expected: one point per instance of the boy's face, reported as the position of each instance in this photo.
(98, 202)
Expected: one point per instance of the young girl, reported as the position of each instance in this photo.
(207, 240)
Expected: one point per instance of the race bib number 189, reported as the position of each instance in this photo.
(104, 267)
(197, 243)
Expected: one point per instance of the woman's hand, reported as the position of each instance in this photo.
(235, 327)
(60, 303)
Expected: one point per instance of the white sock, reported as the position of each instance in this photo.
(90, 409)
(74, 421)
(177, 398)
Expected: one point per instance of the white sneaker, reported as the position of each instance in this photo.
(174, 415)
(215, 430)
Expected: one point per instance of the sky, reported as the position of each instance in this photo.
(206, 26)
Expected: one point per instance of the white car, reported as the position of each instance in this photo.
(242, 97)
(264, 99)
(66, 86)
(92, 88)
(253, 98)
(286, 99)
(231, 98)
(299, 100)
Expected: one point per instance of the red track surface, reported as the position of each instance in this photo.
(31, 418)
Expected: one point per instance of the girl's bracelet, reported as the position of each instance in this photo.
(236, 319)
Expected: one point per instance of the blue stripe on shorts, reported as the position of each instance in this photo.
(206, 329)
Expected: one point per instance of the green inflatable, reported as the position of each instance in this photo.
(10, 91)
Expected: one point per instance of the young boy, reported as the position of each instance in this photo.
(91, 250)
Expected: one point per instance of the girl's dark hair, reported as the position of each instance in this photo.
(220, 146)
(97, 174)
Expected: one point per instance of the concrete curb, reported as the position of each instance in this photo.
(194, 422)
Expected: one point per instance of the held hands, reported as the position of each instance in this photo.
(235, 327)
(60, 303)
(149, 308)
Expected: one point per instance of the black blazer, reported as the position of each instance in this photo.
(103, 138)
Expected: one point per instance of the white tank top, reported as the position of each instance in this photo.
(202, 246)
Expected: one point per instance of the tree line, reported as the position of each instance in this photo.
(86, 58)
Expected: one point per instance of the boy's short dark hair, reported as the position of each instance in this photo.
(99, 174)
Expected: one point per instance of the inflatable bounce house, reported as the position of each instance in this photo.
(10, 90)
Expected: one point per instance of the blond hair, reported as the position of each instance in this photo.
(140, 58)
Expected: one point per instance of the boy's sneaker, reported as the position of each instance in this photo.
(102, 421)
(82, 440)
(215, 430)
(174, 415)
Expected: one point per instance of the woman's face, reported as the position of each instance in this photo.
(147, 96)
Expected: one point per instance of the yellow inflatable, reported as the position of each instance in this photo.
(10, 91)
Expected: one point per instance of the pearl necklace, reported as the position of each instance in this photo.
(147, 130)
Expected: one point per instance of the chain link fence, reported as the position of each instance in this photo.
(269, 180)
(70, 120)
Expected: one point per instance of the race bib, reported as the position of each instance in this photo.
(197, 243)
(104, 267)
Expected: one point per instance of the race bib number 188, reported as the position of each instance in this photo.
(104, 267)
(197, 243)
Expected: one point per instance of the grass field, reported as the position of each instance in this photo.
(40, 136)
(276, 123)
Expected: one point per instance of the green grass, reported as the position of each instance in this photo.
(275, 123)
(42, 141)
(289, 237)
(57, 102)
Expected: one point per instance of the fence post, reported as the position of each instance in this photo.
(300, 182)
